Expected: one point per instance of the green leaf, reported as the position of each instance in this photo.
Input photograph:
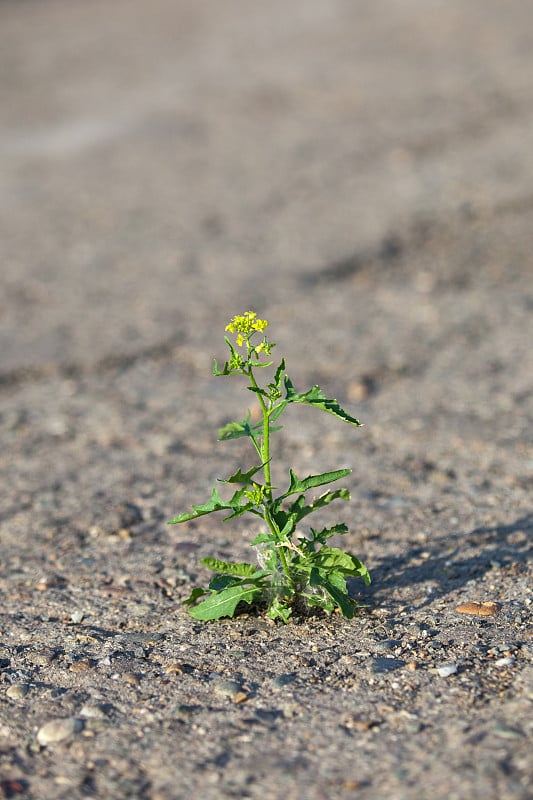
(322, 601)
(278, 410)
(315, 397)
(234, 430)
(224, 371)
(216, 504)
(241, 569)
(276, 383)
(326, 533)
(224, 603)
(220, 582)
(194, 595)
(328, 497)
(279, 610)
(242, 477)
(335, 559)
(287, 519)
(264, 538)
(312, 481)
(257, 390)
(335, 585)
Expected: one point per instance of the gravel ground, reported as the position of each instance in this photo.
(362, 176)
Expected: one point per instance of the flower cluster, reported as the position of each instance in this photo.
(245, 326)
(247, 323)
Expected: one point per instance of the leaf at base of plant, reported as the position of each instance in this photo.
(224, 603)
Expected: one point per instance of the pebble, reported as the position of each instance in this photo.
(385, 645)
(280, 681)
(505, 731)
(93, 711)
(226, 687)
(445, 670)
(18, 691)
(41, 658)
(504, 662)
(131, 678)
(58, 729)
(82, 665)
(485, 609)
(381, 664)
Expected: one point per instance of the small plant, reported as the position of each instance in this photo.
(292, 568)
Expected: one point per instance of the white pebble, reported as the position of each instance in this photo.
(17, 691)
(58, 729)
(446, 669)
(504, 662)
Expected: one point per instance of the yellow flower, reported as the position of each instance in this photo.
(245, 325)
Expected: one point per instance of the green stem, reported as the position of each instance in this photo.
(265, 455)
(264, 451)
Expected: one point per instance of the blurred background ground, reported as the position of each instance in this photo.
(362, 176)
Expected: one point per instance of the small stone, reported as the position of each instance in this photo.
(82, 665)
(41, 658)
(174, 669)
(131, 677)
(76, 617)
(57, 730)
(355, 722)
(240, 697)
(505, 731)
(93, 711)
(485, 609)
(445, 670)
(386, 645)
(18, 691)
(381, 665)
(504, 662)
(280, 681)
(412, 666)
(226, 687)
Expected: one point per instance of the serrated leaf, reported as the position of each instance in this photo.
(194, 596)
(240, 569)
(279, 610)
(313, 481)
(220, 582)
(278, 375)
(224, 371)
(242, 477)
(315, 397)
(335, 559)
(234, 430)
(224, 603)
(216, 503)
(326, 533)
(287, 519)
(278, 410)
(322, 601)
(264, 538)
(335, 585)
